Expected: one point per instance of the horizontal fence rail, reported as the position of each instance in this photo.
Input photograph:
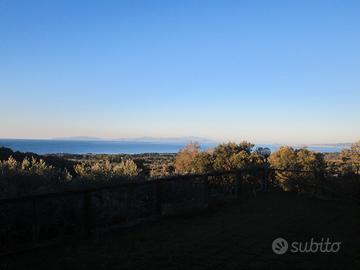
(134, 184)
(121, 185)
(32, 219)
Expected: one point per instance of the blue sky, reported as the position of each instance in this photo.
(264, 71)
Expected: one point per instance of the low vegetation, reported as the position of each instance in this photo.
(29, 175)
(106, 170)
(33, 175)
(22, 173)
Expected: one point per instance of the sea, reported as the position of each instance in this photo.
(53, 146)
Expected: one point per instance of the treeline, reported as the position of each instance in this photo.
(150, 165)
(147, 165)
(24, 173)
(57, 161)
(304, 168)
(229, 156)
(347, 162)
(28, 172)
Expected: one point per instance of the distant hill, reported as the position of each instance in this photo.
(180, 140)
(340, 145)
(77, 138)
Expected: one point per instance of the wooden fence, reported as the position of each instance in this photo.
(33, 219)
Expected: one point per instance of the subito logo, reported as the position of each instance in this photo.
(280, 246)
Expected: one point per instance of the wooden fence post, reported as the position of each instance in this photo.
(266, 179)
(206, 189)
(35, 222)
(158, 196)
(238, 184)
(318, 176)
(87, 213)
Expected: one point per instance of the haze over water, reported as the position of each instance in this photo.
(118, 147)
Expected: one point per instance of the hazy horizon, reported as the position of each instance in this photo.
(239, 139)
(171, 139)
(279, 72)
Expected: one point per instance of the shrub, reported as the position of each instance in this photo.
(106, 170)
(17, 178)
(296, 159)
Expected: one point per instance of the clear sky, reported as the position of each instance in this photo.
(264, 71)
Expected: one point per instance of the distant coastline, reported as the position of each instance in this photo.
(136, 146)
(141, 139)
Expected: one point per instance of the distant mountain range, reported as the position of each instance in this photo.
(77, 138)
(171, 139)
(339, 145)
(187, 139)
(180, 140)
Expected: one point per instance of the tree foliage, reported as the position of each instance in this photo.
(184, 162)
(351, 159)
(224, 157)
(297, 159)
(288, 158)
(35, 175)
(29, 175)
(106, 170)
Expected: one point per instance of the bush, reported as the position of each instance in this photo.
(224, 157)
(351, 159)
(106, 170)
(35, 175)
(29, 175)
(288, 158)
